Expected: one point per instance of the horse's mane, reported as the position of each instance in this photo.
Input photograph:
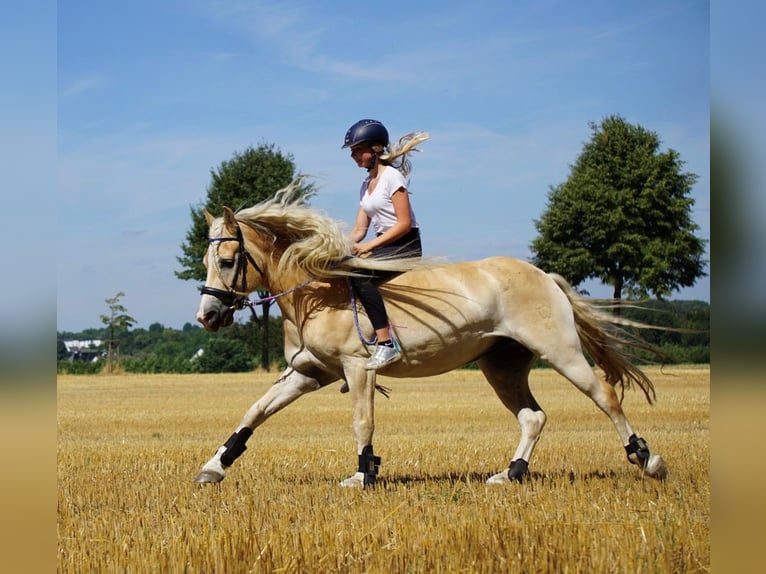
(309, 240)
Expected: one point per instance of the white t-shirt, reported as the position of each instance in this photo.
(379, 205)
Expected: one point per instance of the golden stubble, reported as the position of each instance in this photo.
(129, 448)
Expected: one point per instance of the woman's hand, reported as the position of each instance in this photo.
(361, 249)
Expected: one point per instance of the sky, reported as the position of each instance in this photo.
(152, 96)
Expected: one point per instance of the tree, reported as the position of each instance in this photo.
(248, 178)
(225, 356)
(61, 350)
(623, 216)
(116, 322)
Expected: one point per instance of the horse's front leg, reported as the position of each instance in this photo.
(362, 387)
(288, 387)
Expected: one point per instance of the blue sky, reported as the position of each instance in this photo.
(153, 95)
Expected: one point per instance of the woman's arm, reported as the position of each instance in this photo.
(361, 225)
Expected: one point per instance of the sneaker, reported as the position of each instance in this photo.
(383, 356)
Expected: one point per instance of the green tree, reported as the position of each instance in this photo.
(117, 322)
(61, 350)
(623, 216)
(225, 356)
(248, 178)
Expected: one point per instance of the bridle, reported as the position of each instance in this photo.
(235, 299)
(231, 297)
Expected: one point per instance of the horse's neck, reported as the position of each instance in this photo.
(305, 295)
(280, 282)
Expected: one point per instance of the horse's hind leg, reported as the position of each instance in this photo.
(507, 367)
(574, 367)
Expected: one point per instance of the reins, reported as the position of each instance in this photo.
(355, 311)
(238, 300)
(230, 296)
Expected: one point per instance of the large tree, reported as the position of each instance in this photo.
(249, 177)
(623, 216)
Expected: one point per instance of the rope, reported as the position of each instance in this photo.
(355, 311)
(272, 298)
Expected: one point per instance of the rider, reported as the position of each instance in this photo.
(383, 201)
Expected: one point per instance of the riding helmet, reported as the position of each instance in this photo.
(371, 131)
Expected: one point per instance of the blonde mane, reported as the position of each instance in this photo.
(305, 239)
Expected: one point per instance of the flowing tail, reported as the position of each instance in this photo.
(608, 344)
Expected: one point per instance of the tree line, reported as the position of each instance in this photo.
(191, 349)
(161, 349)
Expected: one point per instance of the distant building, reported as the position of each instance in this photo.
(87, 350)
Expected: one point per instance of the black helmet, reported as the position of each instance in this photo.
(371, 131)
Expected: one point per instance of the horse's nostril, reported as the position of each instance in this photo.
(209, 320)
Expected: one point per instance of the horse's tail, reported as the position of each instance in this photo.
(607, 343)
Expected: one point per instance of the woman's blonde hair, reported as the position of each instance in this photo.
(396, 154)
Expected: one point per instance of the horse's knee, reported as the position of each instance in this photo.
(531, 422)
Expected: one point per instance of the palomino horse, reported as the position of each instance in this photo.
(501, 312)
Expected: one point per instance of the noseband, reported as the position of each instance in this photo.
(231, 297)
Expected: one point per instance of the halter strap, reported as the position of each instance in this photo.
(242, 251)
(240, 299)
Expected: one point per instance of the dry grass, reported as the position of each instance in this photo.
(130, 446)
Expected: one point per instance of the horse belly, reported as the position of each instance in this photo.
(430, 361)
(440, 346)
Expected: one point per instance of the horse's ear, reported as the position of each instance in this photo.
(208, 216)
(229, 220)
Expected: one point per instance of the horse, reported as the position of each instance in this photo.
(501, 312)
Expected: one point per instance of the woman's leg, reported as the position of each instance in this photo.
(372, 302)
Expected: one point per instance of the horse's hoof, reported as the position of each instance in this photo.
(356, 481)
(208, 476)
(499, 478)
(656, 467)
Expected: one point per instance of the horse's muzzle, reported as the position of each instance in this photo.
(214, 319)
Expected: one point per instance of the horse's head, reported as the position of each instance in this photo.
(232, 273)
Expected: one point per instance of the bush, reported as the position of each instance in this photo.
(225, 356)
(79, 367)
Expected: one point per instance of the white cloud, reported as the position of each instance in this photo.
(82, 85)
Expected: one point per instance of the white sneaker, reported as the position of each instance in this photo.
(383, 356)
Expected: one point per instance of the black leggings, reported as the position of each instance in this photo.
(366, 285)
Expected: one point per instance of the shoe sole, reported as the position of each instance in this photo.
(381, 365)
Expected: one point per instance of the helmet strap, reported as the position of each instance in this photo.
(371, 165)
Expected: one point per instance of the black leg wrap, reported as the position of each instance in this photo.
(518, 469)
(369, 464)
(235, 446)
(637, 450)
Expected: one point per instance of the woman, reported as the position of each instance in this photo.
(383, 201)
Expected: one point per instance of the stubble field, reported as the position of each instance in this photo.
(129, 448)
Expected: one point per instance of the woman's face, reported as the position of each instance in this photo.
(362, 154)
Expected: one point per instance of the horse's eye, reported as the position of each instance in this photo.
(226, 263)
